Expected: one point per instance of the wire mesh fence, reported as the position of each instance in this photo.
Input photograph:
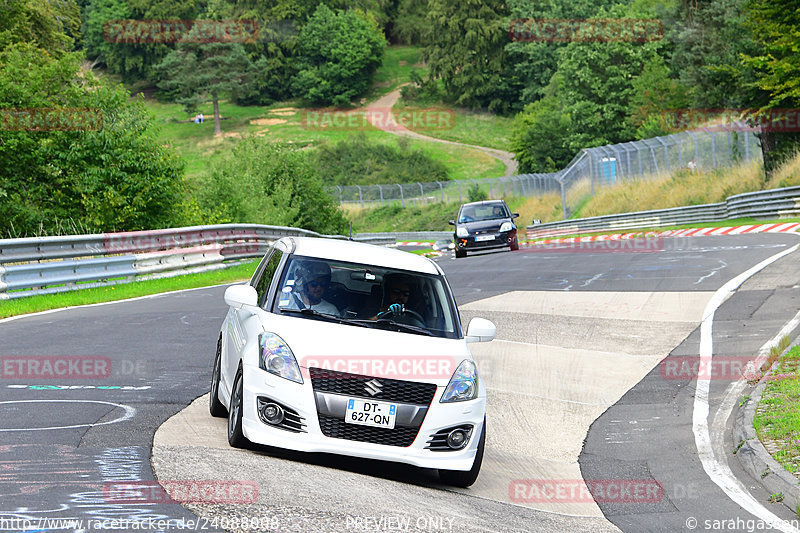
(590, 169)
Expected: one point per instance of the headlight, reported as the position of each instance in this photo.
(461, 231)
(463, 385)
(276, 357)
(507, 226)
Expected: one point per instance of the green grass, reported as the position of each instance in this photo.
(395, 69)
(777, 419)
(283, 122)
(33, 304)
(473, 127)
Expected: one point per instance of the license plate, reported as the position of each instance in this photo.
(484, 238)
(369, 413)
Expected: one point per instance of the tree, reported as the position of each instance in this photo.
(540, 138)
(265, 183)
(706, 41)
(198, 71)
(49, 25)
(775, 24)
(94, 159)
(465, 49)
(338, 52)
(132, 50)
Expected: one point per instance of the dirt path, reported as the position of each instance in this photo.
(379, 117)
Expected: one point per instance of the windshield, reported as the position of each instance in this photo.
(367, 295)
(475, 213)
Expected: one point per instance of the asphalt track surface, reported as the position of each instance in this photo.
(63, 440)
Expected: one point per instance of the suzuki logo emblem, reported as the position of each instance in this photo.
(373, 387)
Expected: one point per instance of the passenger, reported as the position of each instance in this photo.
(311, 281)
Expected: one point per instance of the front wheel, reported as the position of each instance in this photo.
(514, 244)
(460, 478)
(236, 436)
(461, 253)
(216, 407)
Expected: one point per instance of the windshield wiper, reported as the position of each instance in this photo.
(384, 322)
(325, 316)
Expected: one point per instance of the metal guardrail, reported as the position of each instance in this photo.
(46, 265)
(773, 203)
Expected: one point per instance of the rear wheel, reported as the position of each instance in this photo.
(464, 479)
(236, 436)
(215, 407)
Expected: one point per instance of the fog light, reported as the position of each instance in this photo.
(272, 413)
(457, 439)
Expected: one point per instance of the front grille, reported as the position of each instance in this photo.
(339, 429)
(438, 440)
(355, 385)
(292, 421)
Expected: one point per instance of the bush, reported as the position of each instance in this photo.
(356, 161)
(265, 183)
(476, 194)
(105, 175)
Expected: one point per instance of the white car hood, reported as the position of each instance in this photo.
(369, 351)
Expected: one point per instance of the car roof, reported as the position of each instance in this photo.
(485, 202)
(356, 252)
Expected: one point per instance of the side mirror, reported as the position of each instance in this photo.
(480, 330)
(514, 215)
(452, 222)
(239, 296)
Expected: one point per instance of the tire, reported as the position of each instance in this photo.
(464, 479)
(236, 436)
(215, 407)
(514, 245)
(461, 253)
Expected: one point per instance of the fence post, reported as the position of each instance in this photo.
(441, 190)
(459, 191)
(421, 192)
(360, 198)
(341, 201)
(563, 200)
(402, 200)
(380, 191)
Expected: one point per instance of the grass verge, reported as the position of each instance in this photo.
(777, 419)
(44, 302)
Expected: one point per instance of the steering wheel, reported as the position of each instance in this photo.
(406, 311)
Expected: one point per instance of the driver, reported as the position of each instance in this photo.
(311, 280)
(398, 289)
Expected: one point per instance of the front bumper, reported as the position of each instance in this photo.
(302, 399)
(499, 240)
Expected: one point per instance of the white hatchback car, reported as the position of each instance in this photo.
(347, 348)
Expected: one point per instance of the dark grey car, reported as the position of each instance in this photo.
(484, 226)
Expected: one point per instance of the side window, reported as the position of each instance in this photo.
(263, 282)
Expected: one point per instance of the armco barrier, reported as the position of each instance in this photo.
(46, 265)
(774, 203)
